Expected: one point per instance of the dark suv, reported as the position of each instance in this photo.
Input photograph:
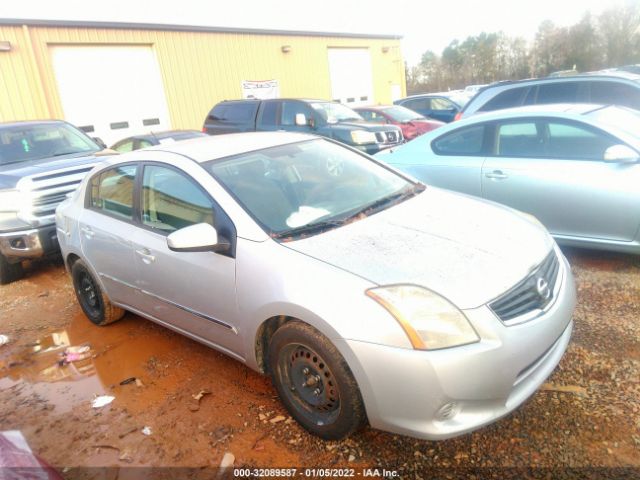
(615, 88)
(40, 163)
(319, 117)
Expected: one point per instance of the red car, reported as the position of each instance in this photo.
(411, 123)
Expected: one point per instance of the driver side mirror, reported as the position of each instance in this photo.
(99, 141)
(200, 237)
(301, 120)
(620, 154)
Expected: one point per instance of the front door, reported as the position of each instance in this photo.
(556, 171)
(193, 292)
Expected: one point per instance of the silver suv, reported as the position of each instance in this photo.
(615, 88)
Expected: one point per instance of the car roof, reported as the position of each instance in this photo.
(604, 75)
(546, 109)
(203, 149)
(375, 107)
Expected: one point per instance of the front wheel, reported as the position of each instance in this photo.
(9, 272)
(314, 382)
(94, 302)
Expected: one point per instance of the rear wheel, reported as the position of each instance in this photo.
(94, 302)
(9, 272)
(314, 382)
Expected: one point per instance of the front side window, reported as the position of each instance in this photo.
(112, 191)
(615, 93)
(463, 142)
(291, 109)
(124, 147)
(171, 200)
(290, 188)
(418, 104)
(441, 104)
(573, 141)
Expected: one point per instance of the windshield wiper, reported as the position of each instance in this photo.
(319, 227)
(67, 153)
(308, 229)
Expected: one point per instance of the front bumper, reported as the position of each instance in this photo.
(32, 243)
(445, 393)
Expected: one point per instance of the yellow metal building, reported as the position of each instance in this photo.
(97, 74)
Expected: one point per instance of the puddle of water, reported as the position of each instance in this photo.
(39, 371)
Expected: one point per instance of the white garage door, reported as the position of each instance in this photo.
(350, 72)
(111, 92)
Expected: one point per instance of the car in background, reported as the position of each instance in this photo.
(137, 142)
(612, 88)
(439, 106)
(365, 295)
(40, 163)
(318, 117)
(411, 123)
(574, 167)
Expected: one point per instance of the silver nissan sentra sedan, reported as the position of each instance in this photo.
(365, 295)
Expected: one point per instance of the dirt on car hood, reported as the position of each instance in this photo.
(466, 249)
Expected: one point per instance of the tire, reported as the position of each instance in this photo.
(9, 272)
(94, 302)
(314, 382)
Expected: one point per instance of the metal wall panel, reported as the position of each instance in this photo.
(198, 68)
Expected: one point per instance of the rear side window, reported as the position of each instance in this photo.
(561, 92)
(238, 112)
(518, 139)
(112, 191)
(514, 97)
(614, 93)
(218, 112)
(464, 142)
(241, 112)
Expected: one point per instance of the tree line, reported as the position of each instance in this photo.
(607, 40)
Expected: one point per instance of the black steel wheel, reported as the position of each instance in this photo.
(9, 272)
(314, 381)
(93, 301)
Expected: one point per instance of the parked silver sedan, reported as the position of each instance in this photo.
(574, 167)
(363, 294)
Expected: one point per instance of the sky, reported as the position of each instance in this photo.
(423, 24)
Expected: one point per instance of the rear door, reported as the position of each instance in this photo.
(193, 292)
(105, 231)
(455, 163)
(554, 169)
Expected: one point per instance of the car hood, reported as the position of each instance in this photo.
(468, 250)
(10, 174)
(363, 125)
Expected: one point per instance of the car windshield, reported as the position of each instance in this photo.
(335, 112)
(402, 114)
(308, 187)
(622, 118)
(22, 143)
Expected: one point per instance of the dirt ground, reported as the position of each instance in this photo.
(584, 423)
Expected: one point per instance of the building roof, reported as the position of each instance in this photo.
(187, 28)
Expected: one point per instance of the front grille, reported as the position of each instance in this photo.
(47, 191)
(532, 294)
(392, 137)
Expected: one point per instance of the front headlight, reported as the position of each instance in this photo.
(430, 321)
(11, 201)
(362, 136)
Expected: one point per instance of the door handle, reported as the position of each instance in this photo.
(496, 175)
(146, 256)
(87, 232)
